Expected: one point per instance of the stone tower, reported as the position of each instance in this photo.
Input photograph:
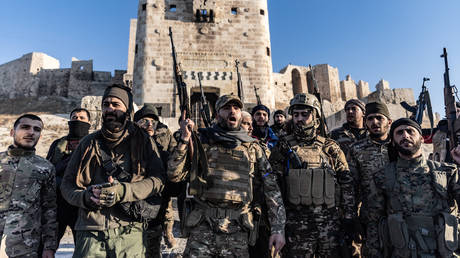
(209, 36)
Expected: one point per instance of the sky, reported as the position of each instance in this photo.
(399, 41)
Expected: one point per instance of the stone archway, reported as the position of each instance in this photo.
(296, 82)
(211, 94)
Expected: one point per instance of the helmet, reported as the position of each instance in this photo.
(305, 99)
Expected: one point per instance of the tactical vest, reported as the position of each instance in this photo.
(419, 235)
(314, 183)
(230, 175)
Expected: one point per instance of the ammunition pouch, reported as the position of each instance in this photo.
(312, 186)
(448, 234)
(420, 236)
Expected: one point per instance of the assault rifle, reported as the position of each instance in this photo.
(198, 165)
(259, 102)
(204, 109)
(240, 82)
(181, 86)
(324, 131)
(449, 102)
(423, 103)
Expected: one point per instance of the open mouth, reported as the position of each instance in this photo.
(232, 119)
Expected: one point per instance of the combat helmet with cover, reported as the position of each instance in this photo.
(305, 99)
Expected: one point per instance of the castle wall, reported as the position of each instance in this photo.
(17, 78)
(239, 30)
(348, 89)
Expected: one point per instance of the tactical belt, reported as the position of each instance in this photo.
(221, 213)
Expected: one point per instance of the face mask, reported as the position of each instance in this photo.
(78, 129)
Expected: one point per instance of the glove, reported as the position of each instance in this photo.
(87, 198)
(111, 194)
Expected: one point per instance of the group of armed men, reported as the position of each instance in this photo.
(245, 189)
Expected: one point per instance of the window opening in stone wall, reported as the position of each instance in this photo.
(159, 110)
(135, 49)
(234, 11)
(268, 51)
(262, 12)
(203, 15)
(82, 68)
(144, 7)
(172, 8)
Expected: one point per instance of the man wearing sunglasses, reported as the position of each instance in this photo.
(367, 156)
(148, 119)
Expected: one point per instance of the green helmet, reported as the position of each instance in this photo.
(305, 99)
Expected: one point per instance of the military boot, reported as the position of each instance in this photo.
(168, 234)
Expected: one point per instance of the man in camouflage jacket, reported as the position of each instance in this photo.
(231, 183)
(412, 201)
(27, 195)
(318, 190)
(353, 130)
(367, 157)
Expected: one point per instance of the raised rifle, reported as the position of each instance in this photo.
(184, 104)
(449, 103)
(204, 109)
(240, 82)
(423, 102)
(199, 162)
(324, 131)
(259, 102)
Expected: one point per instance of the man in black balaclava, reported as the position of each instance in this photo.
(112, 176)
(59, 154)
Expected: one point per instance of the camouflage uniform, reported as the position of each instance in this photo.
(345, 136)
(27, 203)
(411, 201)
(365, 158)
(222, 215)
(166, 143)
(312, 227)
(317, 185)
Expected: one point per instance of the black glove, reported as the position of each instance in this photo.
(87, 198)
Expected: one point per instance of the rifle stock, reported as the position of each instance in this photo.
(259, 102)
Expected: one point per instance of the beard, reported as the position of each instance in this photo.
(222, 122)
(409, 151)
(17, 144)
(379, 134)
(114, 125)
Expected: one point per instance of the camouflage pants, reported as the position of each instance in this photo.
(124, 241)
(311, 232)
(152, 237)
(204, 242)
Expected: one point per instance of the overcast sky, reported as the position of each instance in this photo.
(399, 41)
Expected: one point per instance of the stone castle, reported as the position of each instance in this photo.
(209, 36)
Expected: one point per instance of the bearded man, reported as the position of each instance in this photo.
(236, 176)
(27, 195)
(354, 129)
(318, 192)
(412, 202)
(261, 131)
(109, 175)
(365, 158)
(279, 122)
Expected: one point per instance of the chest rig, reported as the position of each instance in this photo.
(231, 172)
(432, 233)
(314, 182)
